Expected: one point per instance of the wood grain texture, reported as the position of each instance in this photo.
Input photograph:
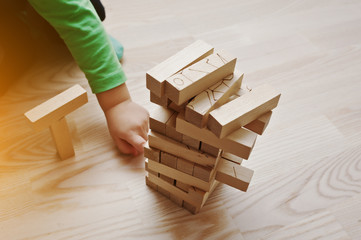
(306, 165)
(318, 226)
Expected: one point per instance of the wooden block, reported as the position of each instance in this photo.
(207, 173)
(148, 170)
(158, 119)
(184, 85)
(156, 76)
(169, 160)
(234, 175)
(174, 190)
(182, 186)
(259, 125)
(162, 101)
(166, 178)
(191, 142)
(209, 149)
(195, 209)
(202, 172)
(175, 107)
(243, 110)
(179, 176)
(207, 194)
(151, 184)
(231, 157)
(177, 200)
(239, 143)
(191, 208)
(170, 128)
(62, 138)
(171, 146)
(197, 110)
(164, 192)
(52, 114)
(185, 166)
(151, 153)
(54, 109)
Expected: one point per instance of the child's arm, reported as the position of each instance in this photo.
(127, 121)
(78, 24)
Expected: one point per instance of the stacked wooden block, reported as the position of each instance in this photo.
(206, 124)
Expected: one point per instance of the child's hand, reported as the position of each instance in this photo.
(128, 122)
(128, 126)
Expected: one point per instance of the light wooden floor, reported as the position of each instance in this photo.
(307, 182)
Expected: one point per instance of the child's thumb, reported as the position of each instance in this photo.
(137, 142)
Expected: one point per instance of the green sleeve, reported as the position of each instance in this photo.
(78, 24)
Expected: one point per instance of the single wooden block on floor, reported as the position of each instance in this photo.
(234, 175)
(260, 124)
(171, 146)
(184, 85)
(43, 115)
(156, 76)
(62, 138)
(51, 114)
(243, 110)
(197, 110)
(239, 143)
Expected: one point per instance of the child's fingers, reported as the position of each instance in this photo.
(137, 142)
(125, 147)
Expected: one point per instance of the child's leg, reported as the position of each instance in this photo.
(118, 47)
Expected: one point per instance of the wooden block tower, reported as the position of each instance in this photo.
(206, 124)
